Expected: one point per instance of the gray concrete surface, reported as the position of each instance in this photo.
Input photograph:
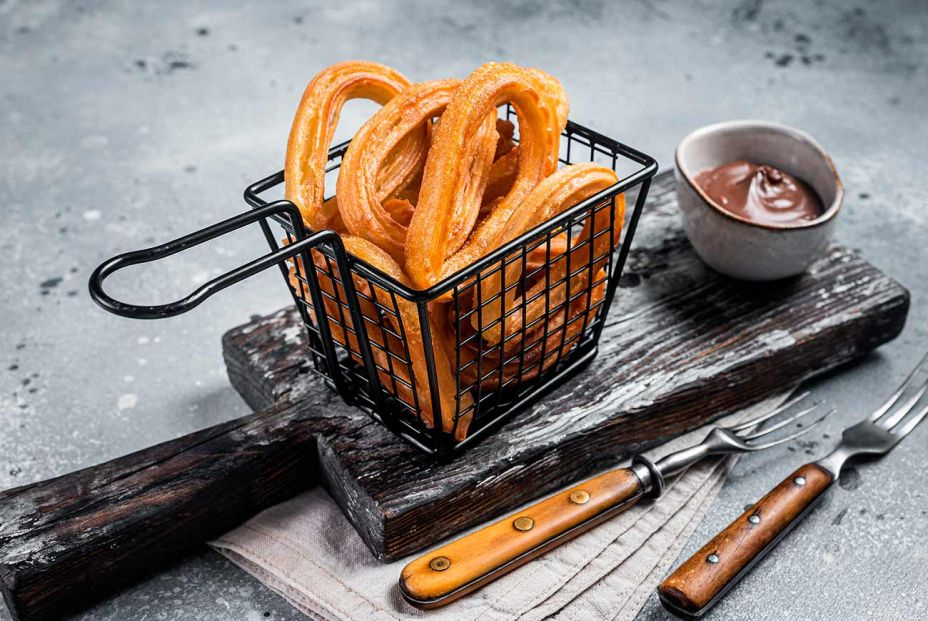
(127, 123)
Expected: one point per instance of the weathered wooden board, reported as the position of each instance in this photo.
(682, 346)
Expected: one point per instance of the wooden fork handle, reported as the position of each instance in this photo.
(705, 577)
(470, 562)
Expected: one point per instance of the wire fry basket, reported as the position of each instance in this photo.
(491, 338)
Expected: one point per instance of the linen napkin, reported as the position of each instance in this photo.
(307, 551)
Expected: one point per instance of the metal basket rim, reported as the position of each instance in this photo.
(648, 169)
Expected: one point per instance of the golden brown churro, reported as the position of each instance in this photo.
(409, 322)
(314, 128)
(567, 187)
(431, 183)
(544, 344)
(449, 168)
(359, 204)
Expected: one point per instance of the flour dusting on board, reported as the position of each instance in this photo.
(292, 335)
(775, 339)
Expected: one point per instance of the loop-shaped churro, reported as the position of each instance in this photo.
(409, 324)
(430, 184)
(502, 175)
(565, 188)
(400, 360)
(314, 128)
(359, 202)
(539, 348)
(541, 109)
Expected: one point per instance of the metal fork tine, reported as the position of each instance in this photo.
(911, 423)
(780, 424)
(759, 419)
(893, 398)
(792, 436)
(904, 409)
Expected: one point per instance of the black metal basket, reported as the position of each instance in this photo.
(359, 319)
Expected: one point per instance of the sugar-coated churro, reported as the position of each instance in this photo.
(431, 183)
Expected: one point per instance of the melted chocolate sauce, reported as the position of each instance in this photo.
(760, 193)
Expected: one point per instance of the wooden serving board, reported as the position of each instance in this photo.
(682, 346)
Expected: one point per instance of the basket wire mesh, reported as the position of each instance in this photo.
(518, 321)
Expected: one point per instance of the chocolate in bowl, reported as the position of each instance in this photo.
(739, 242)
(761, 193)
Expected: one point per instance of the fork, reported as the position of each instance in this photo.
(706, 576)
(470, 562)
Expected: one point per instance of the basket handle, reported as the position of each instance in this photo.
(159, 311)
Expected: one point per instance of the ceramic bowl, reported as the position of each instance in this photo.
(737, 246)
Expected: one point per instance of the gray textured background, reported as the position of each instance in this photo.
(123, 124)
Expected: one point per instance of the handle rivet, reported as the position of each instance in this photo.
(754, 519)
(440, 563)
(799, 481)
(713, 558)
(523, 523)
(579, 497)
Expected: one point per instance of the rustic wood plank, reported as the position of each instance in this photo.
(682, 346)
(68, 541)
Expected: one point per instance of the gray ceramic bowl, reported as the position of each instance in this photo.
(739, 247)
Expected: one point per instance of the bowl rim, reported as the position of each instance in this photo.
(796, 134)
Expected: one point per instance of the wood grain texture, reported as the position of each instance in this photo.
(467, 563)
(67, 541)
(714, 568)
(682, 346)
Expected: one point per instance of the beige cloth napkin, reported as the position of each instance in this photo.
(307, 551)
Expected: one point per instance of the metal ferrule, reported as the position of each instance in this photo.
(652, 481)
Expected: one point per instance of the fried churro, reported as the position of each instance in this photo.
(314, 128)
(449, 169)
(430, 184)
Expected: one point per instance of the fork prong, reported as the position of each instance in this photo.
(780, 424)
(910, 424)
(893, 398)
(904, 409)
(761, 418)
(792, 436)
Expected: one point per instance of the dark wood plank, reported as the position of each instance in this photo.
(682, 346)
(68, 541)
